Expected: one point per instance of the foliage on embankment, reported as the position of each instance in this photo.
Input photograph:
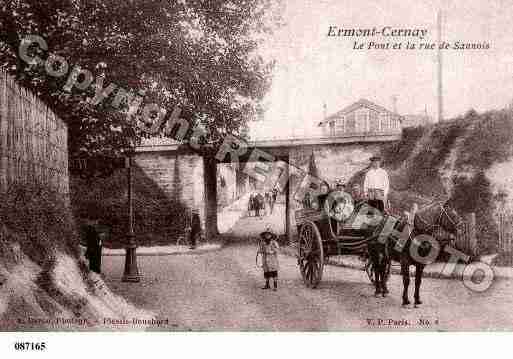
(39, 221)
(454, 161)
(43, 277)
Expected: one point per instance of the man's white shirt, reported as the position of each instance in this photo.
(376, 178)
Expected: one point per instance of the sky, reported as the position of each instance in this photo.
(313, 69)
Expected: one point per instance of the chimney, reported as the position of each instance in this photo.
(324, 111)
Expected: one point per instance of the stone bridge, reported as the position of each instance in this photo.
(187, 177)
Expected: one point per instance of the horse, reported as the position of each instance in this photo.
(437, 221)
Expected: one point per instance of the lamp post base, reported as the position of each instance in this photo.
(131, 273)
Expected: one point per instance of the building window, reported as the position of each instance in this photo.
(386, 122)
(373, 121)
(350, 122)
(332, 128)
(361, 121)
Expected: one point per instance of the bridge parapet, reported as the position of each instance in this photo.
(157, 144)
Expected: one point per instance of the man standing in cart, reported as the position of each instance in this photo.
(376, 185)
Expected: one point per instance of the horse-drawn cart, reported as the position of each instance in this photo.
(320, 236)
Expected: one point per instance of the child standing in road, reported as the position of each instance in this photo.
(269, 250)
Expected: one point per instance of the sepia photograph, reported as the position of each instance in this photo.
(255, 166)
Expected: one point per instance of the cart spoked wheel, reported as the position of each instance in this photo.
(311, 255)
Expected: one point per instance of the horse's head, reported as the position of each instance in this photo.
(450, 221)
(440, 220)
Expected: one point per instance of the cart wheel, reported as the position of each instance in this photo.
(311, 254)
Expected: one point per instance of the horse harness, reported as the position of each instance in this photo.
(435, 228)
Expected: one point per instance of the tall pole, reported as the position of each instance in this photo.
(288, 225)
(439, 60)
(131, 273)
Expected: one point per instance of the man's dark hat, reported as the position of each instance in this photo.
(375, 158)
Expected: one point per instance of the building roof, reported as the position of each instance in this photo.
(360, 103)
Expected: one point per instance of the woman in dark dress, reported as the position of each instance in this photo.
(94, 247)
(195, 228)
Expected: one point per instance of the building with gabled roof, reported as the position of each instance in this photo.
(361, 117)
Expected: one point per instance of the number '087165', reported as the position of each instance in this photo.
(29, 346)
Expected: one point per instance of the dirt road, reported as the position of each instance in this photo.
(221, 291)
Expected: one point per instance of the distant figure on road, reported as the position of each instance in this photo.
(259, 201)
(274, 196)
(267, 196)
(269, 250)
(251, 204)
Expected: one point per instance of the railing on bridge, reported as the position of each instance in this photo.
(357, 135)
(370, 132)
(340, 134)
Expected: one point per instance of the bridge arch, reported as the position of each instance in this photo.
(197, 185)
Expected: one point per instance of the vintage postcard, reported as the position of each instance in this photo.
(265, 165)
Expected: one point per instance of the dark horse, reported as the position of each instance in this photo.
(434, 225)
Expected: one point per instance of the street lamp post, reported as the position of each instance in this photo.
(131, 273)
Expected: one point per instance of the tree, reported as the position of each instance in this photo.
(196, 54)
